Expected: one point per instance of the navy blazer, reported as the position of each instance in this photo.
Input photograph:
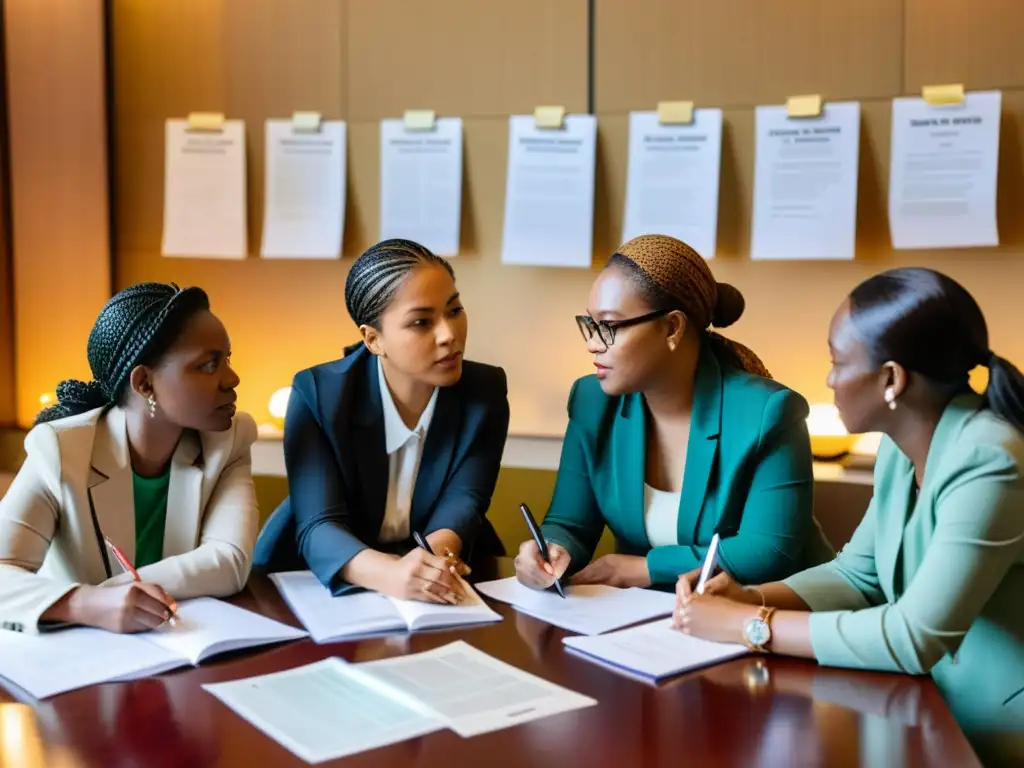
(338, 467)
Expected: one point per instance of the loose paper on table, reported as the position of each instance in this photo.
(204, 191)
(589, 609)
(304, 208)
(805, 183)
(331, 709)
(421, 184)
(549, 193)
(672, 185)
(945, 159)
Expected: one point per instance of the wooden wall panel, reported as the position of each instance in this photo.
(466, 57)
(975, 42)
(59, 188)
(744, 52)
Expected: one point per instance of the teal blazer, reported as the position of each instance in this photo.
(938, 585)
(748, 477)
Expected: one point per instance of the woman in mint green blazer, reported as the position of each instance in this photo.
(679, 435)
(933, 579)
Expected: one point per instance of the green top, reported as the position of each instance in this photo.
(150, 514)
(747, 477)
(934, 586)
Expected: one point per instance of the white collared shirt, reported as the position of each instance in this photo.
(405, 449)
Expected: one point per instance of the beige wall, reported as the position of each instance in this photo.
(59, 190)
(366, 59)
(7, 378)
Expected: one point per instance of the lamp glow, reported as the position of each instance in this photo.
(278, 405)
(829, 438)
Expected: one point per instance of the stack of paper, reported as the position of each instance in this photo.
(651, 652)
(51, 663)
(329, 618)
(331, 709)
(589, 609)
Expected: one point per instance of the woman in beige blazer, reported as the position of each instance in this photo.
(932, 581)
(150, 458)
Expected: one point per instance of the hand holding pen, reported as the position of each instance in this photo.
(168, 608)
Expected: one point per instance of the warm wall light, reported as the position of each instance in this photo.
(829, 438)
(47, 399)
(278, 405)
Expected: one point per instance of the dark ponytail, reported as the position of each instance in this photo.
(136, 327)
(1005, 390)
(929, 323)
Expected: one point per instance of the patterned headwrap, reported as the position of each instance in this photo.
(683, 275)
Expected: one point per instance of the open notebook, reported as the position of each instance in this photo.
(651, 652)
(330, 618)
(589, 609)
(54, 662)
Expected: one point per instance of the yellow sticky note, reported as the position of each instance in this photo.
(675, 112)
(549, 117)
(420, 119)
(306, 121)
(206, 121)
(943, 95)
(808, 105)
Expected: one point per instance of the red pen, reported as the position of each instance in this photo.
(126, 565)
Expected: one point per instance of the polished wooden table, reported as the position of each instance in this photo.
(749, 712)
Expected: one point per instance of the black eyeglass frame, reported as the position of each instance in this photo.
(605, 329)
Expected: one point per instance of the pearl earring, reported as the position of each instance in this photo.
(890, 398)
(152, 407)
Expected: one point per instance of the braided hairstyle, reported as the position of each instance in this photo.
(929, 323)
(136, 327)
(671, 276)
(377, 275)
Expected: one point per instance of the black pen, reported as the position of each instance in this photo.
(538, 537)
(421, 542)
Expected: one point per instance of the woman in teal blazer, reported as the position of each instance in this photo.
(679, 435)
(933, 579)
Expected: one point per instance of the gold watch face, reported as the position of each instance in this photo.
(757, 632)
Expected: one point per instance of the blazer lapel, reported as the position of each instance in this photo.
(184, 497)
(628, 455)
(370, 448)
(701, 447)
(438, 449)
(111, 497)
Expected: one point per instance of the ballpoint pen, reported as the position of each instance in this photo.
(123, 561)
(538, 537)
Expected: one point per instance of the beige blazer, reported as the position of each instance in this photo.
(77, 483)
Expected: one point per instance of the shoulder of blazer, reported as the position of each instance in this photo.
(63, 447)
(979, 441)
(481, 381)
(761, 406)
(234, 442)
(331, 378)
(589, 406)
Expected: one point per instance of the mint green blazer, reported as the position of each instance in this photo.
(748, 476)
(937, 586)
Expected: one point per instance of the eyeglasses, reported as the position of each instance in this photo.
(605, 329)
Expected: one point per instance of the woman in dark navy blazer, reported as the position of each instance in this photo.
(399, 436)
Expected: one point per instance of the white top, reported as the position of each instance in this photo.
(405, 449)
(661, 516)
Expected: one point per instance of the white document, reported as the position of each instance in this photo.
(421, 184)
(304, 196)
(54, 662)
(470, 691)
(651, 652)
(805, 183)
(322, 712)
(672, 186)
(329, 618)
(549, 193)
(589, 609)
(204, 191)
(942, 184)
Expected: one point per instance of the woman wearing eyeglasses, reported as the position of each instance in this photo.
(679, 435)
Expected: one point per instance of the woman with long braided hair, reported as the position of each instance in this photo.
(148, 460)
(399, 437)
(680, 435)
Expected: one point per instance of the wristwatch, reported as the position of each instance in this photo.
(757, 632)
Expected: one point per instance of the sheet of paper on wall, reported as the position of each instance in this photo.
(672, 184)
(549, 193)
(304, 195)
(204, 191)
(421, 184)
(805, 183)
(942, 185)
